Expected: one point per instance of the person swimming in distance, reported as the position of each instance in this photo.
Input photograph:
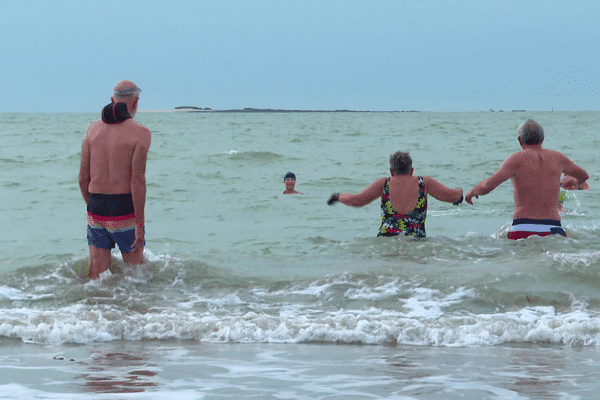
(289, 180)
(535, 173)
(403, 198)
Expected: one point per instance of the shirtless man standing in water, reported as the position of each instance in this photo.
(112, 179)
(535, 174)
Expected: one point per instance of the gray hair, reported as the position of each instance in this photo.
(401, 163)
(126, 94)
(531, 132)
(126, 90)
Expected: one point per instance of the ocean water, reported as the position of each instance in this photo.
(250, 293)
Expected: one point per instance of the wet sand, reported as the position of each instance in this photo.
(186, 369)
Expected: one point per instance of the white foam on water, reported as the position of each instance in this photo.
(318, 311)
(12, 294)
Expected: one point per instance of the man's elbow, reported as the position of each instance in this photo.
(84, 181)
(580, 176)
(485, 188)
(138, 181)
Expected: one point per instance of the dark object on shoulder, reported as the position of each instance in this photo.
(115, 113)
(333, 199)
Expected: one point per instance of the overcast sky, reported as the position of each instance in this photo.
(439, 55)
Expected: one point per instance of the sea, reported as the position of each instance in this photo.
(249, 293)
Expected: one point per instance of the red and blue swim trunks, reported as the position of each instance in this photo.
(524, 227)
(111, 220)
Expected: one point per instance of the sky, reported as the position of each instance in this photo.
(381, 55)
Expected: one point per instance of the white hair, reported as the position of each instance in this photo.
(127, 94)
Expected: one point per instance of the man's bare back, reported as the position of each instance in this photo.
(115, 152)
(535, 173)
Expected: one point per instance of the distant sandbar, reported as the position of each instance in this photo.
(267, 110)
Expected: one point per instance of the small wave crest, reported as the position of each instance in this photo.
(247, 157)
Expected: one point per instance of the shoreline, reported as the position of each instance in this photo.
(176, 369)
(274, 110)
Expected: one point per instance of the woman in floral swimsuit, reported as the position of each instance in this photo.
(403, 198)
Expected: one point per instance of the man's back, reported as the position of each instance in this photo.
(116, 153)
(535, 174)
(536, 182)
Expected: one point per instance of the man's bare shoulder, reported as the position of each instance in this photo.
(141, 133)
(554, 153)
(142, 130)
(95, 125)
(133, 124)
(527, 153)
(515, 158)
(518, 154)
(553, 156)
(94, 128)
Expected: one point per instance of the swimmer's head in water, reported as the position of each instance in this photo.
(289, 175)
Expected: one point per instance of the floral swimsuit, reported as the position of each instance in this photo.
(394, 223)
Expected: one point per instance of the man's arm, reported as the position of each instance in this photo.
(138, 186)
(506, 171)
(574, 170)
(569, 183)
(138, 175)
(84, 171)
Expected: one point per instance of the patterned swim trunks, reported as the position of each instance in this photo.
(111, 220)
